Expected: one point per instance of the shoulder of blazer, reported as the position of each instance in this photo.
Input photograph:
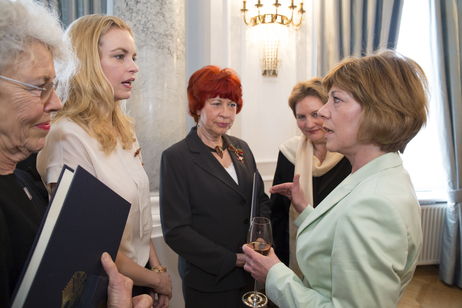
(189, 143)
(193, 142)
(365, 177)
(238, 143)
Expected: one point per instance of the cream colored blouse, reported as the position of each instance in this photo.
(122, 171)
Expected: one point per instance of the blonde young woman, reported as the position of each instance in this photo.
(93, 131)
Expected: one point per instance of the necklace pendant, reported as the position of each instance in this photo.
(219, 151)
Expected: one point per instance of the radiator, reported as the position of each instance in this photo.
(432, 230)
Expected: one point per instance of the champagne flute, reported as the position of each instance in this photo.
(260, 239)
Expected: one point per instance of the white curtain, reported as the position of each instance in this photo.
(355, 27)
(70, 10)
(447, 15)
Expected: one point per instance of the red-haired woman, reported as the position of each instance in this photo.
(206, 185)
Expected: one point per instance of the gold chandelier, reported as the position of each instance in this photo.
(270, 21)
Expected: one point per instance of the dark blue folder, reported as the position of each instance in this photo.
(84, 219)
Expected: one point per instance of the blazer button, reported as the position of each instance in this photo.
(246, 221)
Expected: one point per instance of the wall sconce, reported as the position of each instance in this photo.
(271, 22)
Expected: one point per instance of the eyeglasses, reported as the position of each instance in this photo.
(45, 91)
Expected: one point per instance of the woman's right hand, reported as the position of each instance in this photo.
(164, 286)
(257, 264)
(293, 191)
(240, 260)
(120, 288)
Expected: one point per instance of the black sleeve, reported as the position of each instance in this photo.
(6, 263)
(280, 209)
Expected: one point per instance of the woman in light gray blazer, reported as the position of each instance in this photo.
(360, 246)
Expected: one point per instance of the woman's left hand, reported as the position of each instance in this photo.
(294, 192)
(257, 264)
(161, 302)
(142, 301)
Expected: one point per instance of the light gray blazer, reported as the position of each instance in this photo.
(359, 247)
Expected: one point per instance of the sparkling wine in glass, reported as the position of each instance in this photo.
(260, 239)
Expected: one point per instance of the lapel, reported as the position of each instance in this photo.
(340, 192)
(241, 170)
(389, 160)
(205, 160)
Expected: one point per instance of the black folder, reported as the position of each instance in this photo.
(84, 219)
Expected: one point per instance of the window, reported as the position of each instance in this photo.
(422, 157)
(71, 10)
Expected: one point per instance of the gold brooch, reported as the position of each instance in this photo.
(239, 152)
(137, 152)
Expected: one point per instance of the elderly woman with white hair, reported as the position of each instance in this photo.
(33, 52)
(31, 42)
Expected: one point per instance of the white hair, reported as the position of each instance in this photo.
(24, 22)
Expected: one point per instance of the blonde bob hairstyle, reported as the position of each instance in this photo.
(312, 87)
(393, 93)
(90, 103)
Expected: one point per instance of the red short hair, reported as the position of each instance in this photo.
(209, 82)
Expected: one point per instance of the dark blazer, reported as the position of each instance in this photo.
(205, 214)
(20, 220)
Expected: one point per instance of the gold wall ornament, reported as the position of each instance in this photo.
(73, 290)
(270, 19)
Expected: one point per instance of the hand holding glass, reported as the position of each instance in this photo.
(260, 239)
